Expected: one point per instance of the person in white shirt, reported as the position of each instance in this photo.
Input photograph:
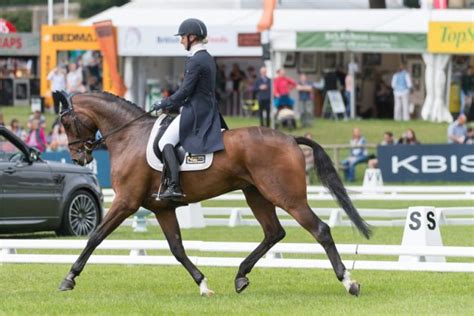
(401, 84)
(74, 79)
(57, 77)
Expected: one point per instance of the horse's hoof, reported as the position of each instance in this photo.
(67, 285)
(354, 289)
(241, 284)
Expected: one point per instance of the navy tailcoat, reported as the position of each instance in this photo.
(200, 126)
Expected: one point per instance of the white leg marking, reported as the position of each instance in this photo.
(346, 281)
(204, 290)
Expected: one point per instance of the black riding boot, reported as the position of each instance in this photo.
(173, 190)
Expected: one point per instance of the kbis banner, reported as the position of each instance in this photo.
(402, 163)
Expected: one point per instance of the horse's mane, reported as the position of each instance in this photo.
(110, 97)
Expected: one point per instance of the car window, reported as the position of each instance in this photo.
(8, 150)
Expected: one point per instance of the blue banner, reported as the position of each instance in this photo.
(404, 163)
(100, 156)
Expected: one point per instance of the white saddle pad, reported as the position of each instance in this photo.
(190, 162)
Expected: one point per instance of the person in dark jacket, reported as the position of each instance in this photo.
(198, 126)
(262, 88)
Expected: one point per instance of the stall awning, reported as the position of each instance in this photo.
(362, 42)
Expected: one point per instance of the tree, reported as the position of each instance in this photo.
(92, 7)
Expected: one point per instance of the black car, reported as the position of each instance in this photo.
(39, 195)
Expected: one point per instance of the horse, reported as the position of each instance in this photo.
(267, 165)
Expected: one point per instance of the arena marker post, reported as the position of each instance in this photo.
(190, 216)
(372, 181)
(139, 220)
(235, 218)
(422, 229)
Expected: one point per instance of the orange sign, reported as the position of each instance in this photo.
(106, 36)
(60, 38)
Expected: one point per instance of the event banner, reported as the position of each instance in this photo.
(19, 44)
(362, 41)
(402, 163)
(451, 37)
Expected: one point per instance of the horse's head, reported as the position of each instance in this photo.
(79, 128)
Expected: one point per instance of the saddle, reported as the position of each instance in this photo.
(187, 161)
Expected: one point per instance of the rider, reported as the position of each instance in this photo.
(198, 126)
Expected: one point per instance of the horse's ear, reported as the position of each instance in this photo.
(63, 98)
(57, 99)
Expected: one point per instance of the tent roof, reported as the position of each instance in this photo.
(384, 20)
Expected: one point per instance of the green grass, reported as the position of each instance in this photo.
(164, 290)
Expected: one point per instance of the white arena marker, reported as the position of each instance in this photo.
(372, 181)
(190, 216)
(422, 229)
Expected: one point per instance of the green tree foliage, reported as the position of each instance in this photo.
(92, 7)
(21, 19)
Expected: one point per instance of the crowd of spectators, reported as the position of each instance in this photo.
(34, 133)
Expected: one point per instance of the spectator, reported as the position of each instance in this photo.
(236, 75)
(304, 88)
(59, 141)
(308, 158)
(74, 79)
(457, 131)
(387, 141)
(467, 89)
(37, 116)
(357, 155)
(383, 100)
(348, 83)
(408, 138)
(36, 137)
(470, 136)
(16, 129)
(262, 88)
(401, 84)
(282, 86)
(57, 77)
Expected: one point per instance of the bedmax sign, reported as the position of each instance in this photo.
(426, 162)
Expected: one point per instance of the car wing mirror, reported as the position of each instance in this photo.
(34, 154)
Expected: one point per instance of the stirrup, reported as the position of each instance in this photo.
(170, 194)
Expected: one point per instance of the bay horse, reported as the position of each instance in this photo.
(267, 165)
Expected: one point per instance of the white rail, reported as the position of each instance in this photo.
(242, 216)
(383, 193)
(9, 254)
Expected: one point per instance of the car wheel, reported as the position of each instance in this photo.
(81, 215)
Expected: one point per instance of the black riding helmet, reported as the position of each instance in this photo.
(192, 27)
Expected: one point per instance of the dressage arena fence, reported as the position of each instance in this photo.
(274, 259)
(415, 257)
(237, 216)
(379, 193)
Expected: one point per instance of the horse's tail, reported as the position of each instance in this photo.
(328, 176)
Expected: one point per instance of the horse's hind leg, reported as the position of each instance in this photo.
(170, 226)
(115, 216)
(265, 214)
(321, 231)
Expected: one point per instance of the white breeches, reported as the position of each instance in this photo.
(171, 135)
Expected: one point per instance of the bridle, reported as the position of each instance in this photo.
(88, 145)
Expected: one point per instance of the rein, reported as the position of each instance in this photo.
(90, 145)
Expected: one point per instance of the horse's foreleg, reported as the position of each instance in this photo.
(321, 231)
(170, 226)
(265, 214)
(115, 216)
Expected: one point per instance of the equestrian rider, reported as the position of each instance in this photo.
(198, 126)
